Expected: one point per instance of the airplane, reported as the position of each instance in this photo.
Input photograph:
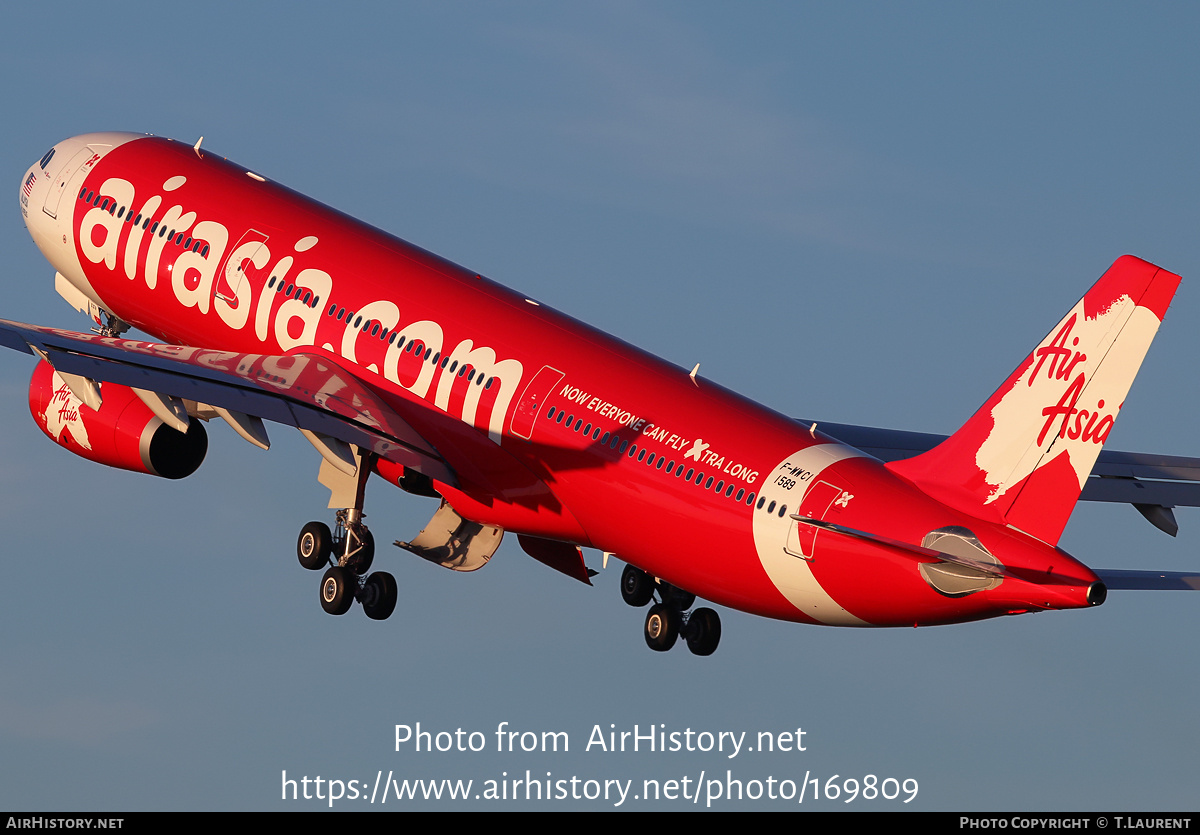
(264, 306)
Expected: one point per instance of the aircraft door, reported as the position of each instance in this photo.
(82, 157)
(233, 278)
(820, 500)
(533, 400)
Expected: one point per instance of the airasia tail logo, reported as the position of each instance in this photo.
(1046, 405)
(1060, 362)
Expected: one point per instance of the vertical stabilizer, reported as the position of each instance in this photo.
(1023, 458)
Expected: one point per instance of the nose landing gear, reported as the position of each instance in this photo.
(670, 618)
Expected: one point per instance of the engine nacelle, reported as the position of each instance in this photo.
(123, 433)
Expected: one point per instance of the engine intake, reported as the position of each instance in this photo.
(122, 433)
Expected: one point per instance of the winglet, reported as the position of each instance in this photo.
(1024, 457)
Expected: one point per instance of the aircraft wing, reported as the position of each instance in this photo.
(307, 391)
(1152, 483)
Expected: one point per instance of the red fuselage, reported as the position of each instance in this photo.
(553, 428)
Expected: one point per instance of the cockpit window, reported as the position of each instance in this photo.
(46, 159)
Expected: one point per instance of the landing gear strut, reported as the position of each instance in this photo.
(353, 543)
(669, 618)
(347, 552)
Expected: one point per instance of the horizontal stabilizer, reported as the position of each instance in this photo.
(1150, 580)
(1136, 478)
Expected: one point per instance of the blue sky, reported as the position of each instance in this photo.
(851, 212)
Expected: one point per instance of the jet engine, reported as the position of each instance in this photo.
(123, 432)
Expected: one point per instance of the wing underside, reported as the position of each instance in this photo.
(308, 391)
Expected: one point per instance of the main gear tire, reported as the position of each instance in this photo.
(379, 596)
(662, 627)
(703, 631)
(314, 546)
(637, 587)
(337, 590)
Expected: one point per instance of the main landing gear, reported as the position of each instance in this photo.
(346, 552)
(354, 549)
(670, 618)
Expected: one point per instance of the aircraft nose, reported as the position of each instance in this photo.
(45, 202)
(60, 170)
(35, 176)
(40, 180)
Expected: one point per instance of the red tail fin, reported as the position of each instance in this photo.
(1023, 458)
